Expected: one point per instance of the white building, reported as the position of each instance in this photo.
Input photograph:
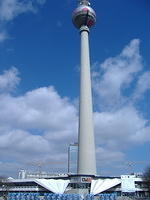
(64, 184)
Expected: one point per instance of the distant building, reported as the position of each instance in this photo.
(72, 158)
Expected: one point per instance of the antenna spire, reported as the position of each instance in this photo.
(84, 2)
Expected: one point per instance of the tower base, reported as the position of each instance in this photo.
(80, 184)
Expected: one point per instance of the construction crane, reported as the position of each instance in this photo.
(40, 164)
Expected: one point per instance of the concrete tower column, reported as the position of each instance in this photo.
(83, 18)
(86, 153)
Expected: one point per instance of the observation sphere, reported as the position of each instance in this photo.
(83, 16)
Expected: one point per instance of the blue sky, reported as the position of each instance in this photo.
(39, 84)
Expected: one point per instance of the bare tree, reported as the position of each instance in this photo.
(3, 185)
(146, 177)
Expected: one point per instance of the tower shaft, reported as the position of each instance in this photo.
(84, 17)
(86, 152)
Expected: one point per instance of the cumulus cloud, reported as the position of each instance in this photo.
(37, 125)
(116, 74)
(9, 80)
(42, 105)
(115, 129)
(118, 84)
(143, 85)
(10, 9)
(40, 124)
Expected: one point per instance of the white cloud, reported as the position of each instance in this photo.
(108, 161)
(42, 109)
(115, 133)
(118, 122)
(10, 9)
(116, 74)
(9, 168)
(3, 36)
(115, 129)
(9, 80)
(41, 2)
(143, 85)
(40, 123)
(107, 156)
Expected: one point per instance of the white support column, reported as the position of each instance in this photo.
(86, 151)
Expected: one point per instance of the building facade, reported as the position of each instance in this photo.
(72, 158)
(108, 188)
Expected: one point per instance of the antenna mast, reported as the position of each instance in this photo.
(84, 2)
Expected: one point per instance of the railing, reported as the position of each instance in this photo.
(45, 196)
(51, 196)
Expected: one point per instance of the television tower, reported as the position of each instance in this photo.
(83, 18)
